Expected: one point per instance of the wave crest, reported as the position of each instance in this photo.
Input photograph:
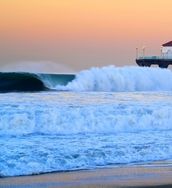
(119, 79)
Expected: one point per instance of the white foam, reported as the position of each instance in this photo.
(117, 79)
(45, 132)
(58, 114)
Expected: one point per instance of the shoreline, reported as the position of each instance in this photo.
(150, 175)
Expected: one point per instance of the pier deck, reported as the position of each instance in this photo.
(162, 62)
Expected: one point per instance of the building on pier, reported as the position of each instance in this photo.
(162, 61)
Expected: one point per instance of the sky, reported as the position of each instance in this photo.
(80, 34)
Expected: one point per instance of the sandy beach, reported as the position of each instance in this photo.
(152, 175)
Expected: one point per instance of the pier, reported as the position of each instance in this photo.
(163, 61)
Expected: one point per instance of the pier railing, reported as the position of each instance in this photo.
(155, 57)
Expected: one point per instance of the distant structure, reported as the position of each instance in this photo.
(162, 61)
(167, 50)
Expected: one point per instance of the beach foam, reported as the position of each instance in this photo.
(89, 113)
(62, 131)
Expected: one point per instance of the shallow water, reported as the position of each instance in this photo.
(59, 131)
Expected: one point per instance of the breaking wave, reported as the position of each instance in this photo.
(120, 79)
(107, 79)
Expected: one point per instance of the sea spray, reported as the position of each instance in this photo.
(36, 67)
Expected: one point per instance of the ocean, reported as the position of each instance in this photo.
(104, 117)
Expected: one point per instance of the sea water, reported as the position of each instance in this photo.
(80, 129)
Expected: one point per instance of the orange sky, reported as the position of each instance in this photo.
(82, 33)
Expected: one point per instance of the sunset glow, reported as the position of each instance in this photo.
(82, 33)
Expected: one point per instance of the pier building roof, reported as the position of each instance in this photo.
(167, 44)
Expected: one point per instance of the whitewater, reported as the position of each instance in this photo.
(118, 79)
(104, 117)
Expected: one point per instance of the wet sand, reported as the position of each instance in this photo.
(152, 175)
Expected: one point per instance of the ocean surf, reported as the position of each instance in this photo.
(102, 117)
(105, 79)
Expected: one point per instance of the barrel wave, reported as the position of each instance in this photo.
(23, 81)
